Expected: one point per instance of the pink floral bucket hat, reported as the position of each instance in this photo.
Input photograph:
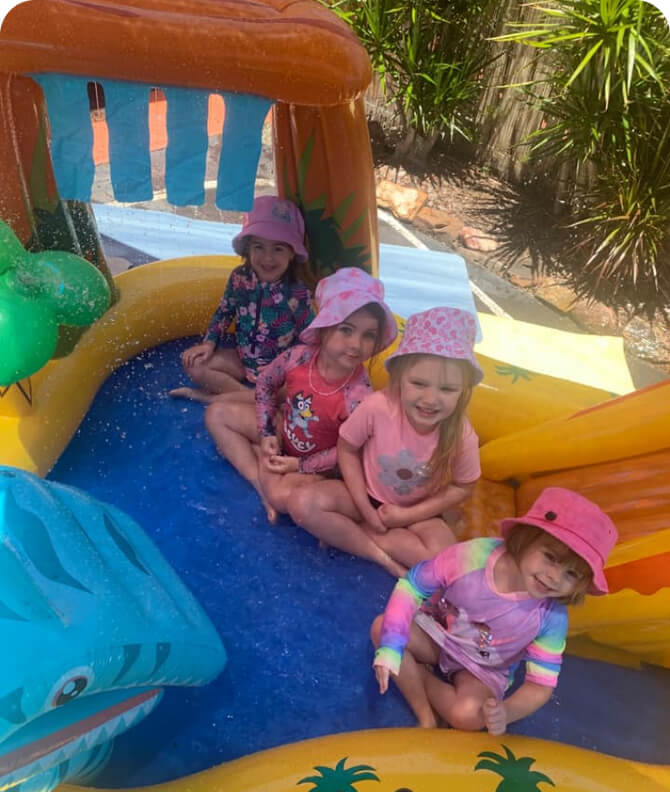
(446, 332)
(578, 523)
(341, 294)
(276, 219)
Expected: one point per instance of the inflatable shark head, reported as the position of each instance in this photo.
(93, 622)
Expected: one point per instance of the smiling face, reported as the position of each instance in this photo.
(429, 391)
(269, 259)
(346, 345)
(548, 569)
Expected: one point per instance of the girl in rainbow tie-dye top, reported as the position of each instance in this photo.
(479, 608)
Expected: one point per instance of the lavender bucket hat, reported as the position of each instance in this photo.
(342, 293)
(446, 332)
(578, 523)
(276, 219)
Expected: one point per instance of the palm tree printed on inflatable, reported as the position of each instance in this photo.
(339, 778)
(328, 249)
(516, 773)
(515, 372)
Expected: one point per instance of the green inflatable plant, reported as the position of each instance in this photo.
(39, 292)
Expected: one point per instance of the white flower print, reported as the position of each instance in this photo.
(403, 473)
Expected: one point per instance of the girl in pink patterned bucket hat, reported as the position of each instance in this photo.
(447, 332)
(480, 607)
(304, 395)
(347, 290)
(407, 454)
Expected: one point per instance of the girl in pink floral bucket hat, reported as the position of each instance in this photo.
(481, 607)
(305, 394)
(407, 454)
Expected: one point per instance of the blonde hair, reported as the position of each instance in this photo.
(521, 536)
(451, 428)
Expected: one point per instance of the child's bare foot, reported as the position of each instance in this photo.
(194, 394)
(271, 512)
(495, 717)
(428, 722)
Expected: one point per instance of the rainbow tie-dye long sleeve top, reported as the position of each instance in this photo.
(476, 626)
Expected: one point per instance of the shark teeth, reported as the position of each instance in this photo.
(101, 734)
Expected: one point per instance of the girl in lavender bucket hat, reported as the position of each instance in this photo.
(480, 608)
(264, 297)
(407, 454)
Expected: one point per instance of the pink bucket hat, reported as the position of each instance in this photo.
(277, 219)
(578, 523)
(342, 293)
(447, 332)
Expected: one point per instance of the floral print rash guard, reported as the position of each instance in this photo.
(269, 317)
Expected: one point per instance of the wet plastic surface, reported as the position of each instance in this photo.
(294, 618)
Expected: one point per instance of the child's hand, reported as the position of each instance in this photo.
(392, 516)
(495, 717)
(373, 519)
(269, 446)
(382, 673)
(200, 353)
(282, 464)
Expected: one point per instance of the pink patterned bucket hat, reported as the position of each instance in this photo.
(446, 332)
(342, 293)
(578, 523)
(276, 219)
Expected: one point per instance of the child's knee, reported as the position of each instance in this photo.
(376, 630)
(300, 504)
(466, 713)
(215, 414)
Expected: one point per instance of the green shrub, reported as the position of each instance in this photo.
(607, 107)
(430, 56)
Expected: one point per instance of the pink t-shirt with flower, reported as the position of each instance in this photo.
(395, 455)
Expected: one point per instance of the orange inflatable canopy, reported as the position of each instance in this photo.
(295, 52)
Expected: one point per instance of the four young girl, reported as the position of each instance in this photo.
(322, 380)
(491, 605)
(407, 454)
(264, 296)
(383, 469)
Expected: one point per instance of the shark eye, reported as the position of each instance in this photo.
(70, 686)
